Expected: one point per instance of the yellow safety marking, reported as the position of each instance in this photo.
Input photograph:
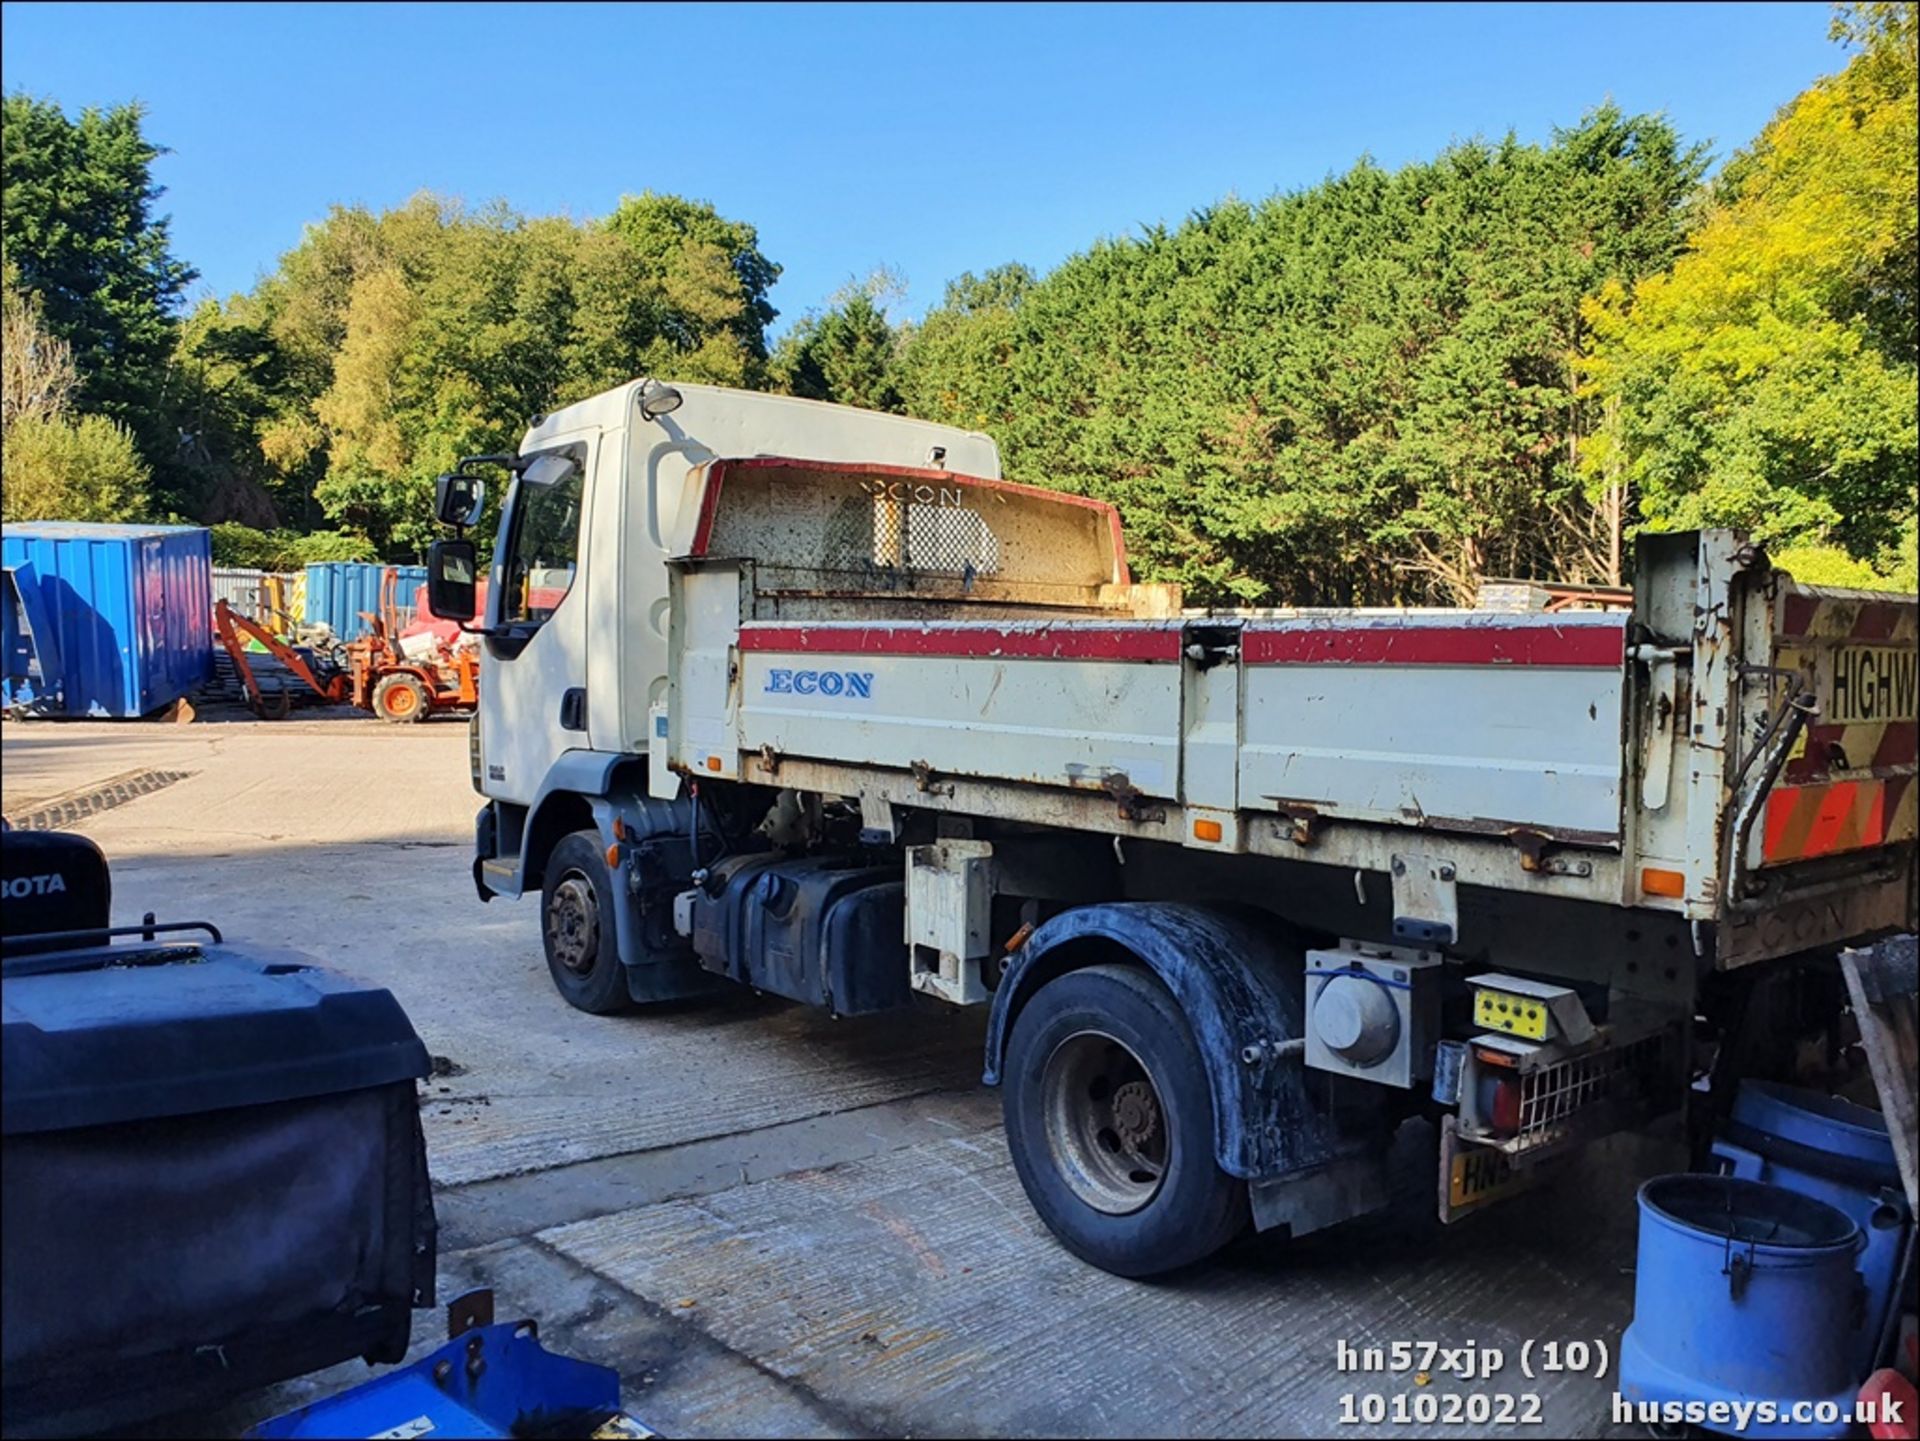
(1516, 1015)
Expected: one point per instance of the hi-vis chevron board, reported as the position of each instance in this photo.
(1850, 782)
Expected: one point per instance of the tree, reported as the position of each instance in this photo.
(86, 468)
(847, 353)
(78, 229)
(1769, 379)
(56, 465)
(1361, 391)
(37, 373)
(955, 364)
(282, 550)
(386, 346)
(708, 282)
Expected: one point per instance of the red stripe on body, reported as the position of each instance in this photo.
(1830, 820)
(1875, 621)
(1797, 613)
(982, 642)
(1804, 822)
(1781, 802)
(1899, 746)
(1594, 646)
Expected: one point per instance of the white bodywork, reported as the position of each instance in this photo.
(856, 605)
(641, 500)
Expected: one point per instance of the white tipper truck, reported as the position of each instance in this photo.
(812, 700)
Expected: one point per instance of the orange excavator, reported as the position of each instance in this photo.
(373, 673)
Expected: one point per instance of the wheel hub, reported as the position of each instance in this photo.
(573, 924)
(1136, 1114)
(1105, 1125)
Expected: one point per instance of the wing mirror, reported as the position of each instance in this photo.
(452, 573)
(457, 498)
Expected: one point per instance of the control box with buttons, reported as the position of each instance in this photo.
(1530, 1010)
(1373, 1012)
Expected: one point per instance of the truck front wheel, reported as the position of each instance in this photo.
(1109, 1118)
(576, 925)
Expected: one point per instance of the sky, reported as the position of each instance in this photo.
(931, 140)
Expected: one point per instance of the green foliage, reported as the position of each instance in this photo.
(1830, 565)
(847, 353)
(54, 464)
(1359, 391)
(956, 362)
(384, 347)
(76, 211)
(71, 468)
(281, 550)
(323, 545)
(1769, 379)
(1378, 389)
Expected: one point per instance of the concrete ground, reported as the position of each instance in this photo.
(771, 1222)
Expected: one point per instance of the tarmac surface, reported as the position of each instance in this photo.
(775, 1223)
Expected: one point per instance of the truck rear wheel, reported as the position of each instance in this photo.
(1109, 1118)
(401, 698)
(576, 926)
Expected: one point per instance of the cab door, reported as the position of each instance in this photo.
(534, 675)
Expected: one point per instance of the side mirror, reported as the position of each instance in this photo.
(452, 570)
(457, 498)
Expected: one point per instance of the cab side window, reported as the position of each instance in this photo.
(544, 554)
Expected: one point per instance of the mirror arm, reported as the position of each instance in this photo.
(508, 462)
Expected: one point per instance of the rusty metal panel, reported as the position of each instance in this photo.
(817, 529)
(1451, 719)
(1848, 783)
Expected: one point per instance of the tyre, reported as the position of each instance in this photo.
(272, 704)
(1109, 1117)
(576, 926)
(401, 698)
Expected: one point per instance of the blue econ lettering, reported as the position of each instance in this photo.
(852, 684)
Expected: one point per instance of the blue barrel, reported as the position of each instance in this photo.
(1837, 1152)
(1743, 1292)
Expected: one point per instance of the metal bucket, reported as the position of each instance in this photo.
(1833, 1151)
(1744, 1292)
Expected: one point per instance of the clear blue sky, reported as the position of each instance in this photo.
(933, 140)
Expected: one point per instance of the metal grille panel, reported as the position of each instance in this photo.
(1553, 1096)
(880, 533)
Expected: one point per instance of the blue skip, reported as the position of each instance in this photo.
(488, 1381)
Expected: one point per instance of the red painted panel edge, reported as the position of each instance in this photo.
(1102, 644)
(1592, 646)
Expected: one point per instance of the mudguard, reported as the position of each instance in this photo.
(576, 775)
(655, 861)
(486, 845)
(1241, 991)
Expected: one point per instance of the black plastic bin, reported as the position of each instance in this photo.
(214, 1178)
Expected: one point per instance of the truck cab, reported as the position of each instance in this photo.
(577, 609)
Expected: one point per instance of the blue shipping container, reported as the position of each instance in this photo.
(132, 606)
(339, 592)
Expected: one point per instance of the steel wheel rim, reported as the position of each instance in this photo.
(573, 924)
(401, 701)
(1106, 1125)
